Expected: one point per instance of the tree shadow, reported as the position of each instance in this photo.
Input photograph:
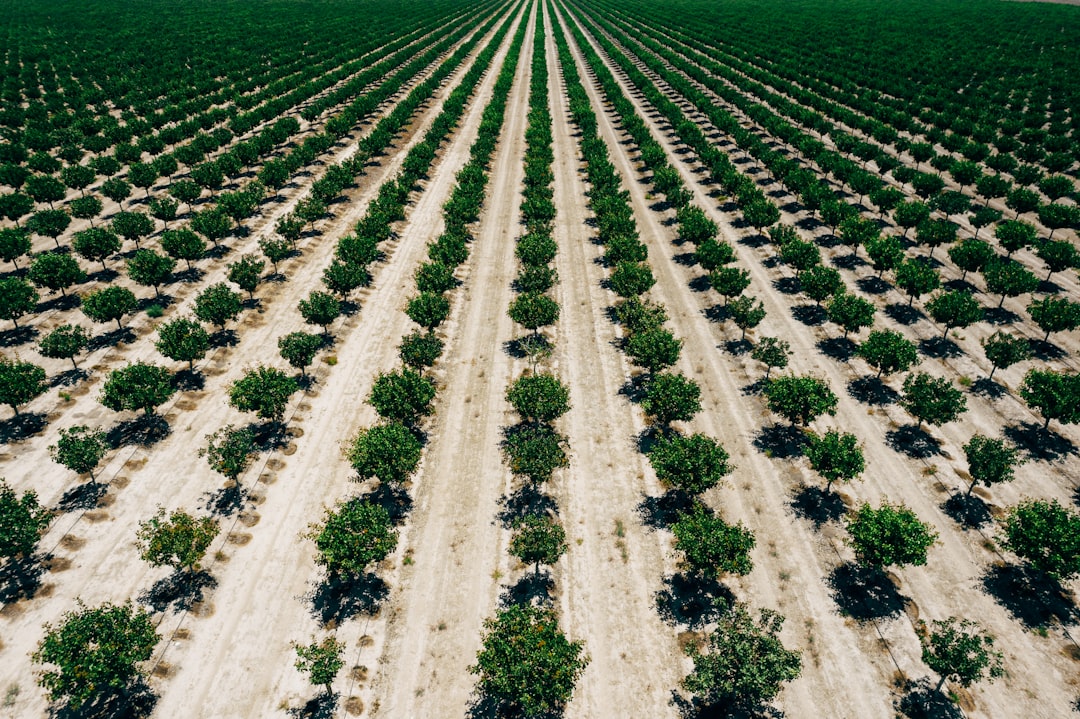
(393, 498)
(1040, 443)
(840, 349)
(1041, 349)
(904, 314)
(873, 285)
(20, 578)
(520, 348)
(227, 500)
(180, 590)
(110, 339)
(322, 706)
(939, 348)
(162, 300)
(18, 336)
(865, 593)
(634, 388)
(988, 388)
(187, 380)
(104, 276)
(144, 430)
(686, 259)
(224, 338)
(717, 313)
(695, 708)
(339, 598)
(135, 700)
(59, 302)
(788, 285)
(528, 499)
(660, 512)
(532, 588)
(82, 497)
(781, 441)
(692, 600)
(967, 510)
(921, 701)
(960, 285)
(756, 387)
(871, 390)
(68, 378)
(700, 283)
(189, 276)
(810, 315)
(270, 436)
(1031, 598)
(738, 348)
(22, 426)
(848, 262)
(817, 505)
(913, 441)
(1000, 316)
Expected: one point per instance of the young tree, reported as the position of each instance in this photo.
(94, 651)
(264, 391)
(132, 226)
(729, 281)
(800, 255)
(539, 398)
(670, 397)
(533, 311)
(888, 351)
(932, 399)
(637, 316)
(434, 277)
(1009, 278)
(654, 349)
(1055, 314)
(80, 449)
(971, 255)
(772, 352)
(746, 664)
(218, 304)
(534, 451)
(856, 231)
(49, 223)
(711, 546)
(934, 233)
(429, 310)
(747, 313)
(851, 312)
(143, 175)
(983, 217)
(1004, 350)
(388, 452)
(342, 278)
(183, 340)
(955, 308)
(538, 539)
(420, 349)
(321, 661)
(631, 279)
(246, 273)
(821, 282)
(990, 461)
(275, 250)
(45, 188)
(14, 243)
(149, 269)
(526, 663)
(109, 304)
(835, 456)
(183, 244)
(1057, 254)
(185, 191)
(20, 382)
(886, 199)
(916, 277)
(211, 223)
(320, 308)
(889, 535)
(64, 342)
(403, 396)
(229, 450)
(137, 386)
(1047, 536)
(164, 209)
(17, 298)
(961, 651)
(911, 214)
(712, 254)
(1015, 235)
(23, 519)
(55, 271)
(692, 464)
(353, 535)
(299, 348)
(800, 400)
(951, 203)
(179, 542)
(1056, 395)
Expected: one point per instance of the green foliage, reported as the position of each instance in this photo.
(246, 273)
(971, 255)
(17, 298)
(428, 310)
(299, 348)
(183, 244)
(164, 209)
(631, 279)
(95, 244)
(137, 386)
(80, 449)
(132, 226)
(14, 243)
(746, 312)
(20, 382)
(654, 349)
(183, 340)
(640, 316)
(342, 278)
(389, 452)
(712, 255)
(276, 250)
(932, 399)
(229, 450)
(539, 398)
(1055, 314)
(729, 281)
(538, 540)
(711, 546)
(1015, 235)
(990, 461)
(353, 535)
(526, 663)
(420, 349)
(49, 223)
(535, 451)
(403, 396)
(934, 233)
(109, 304)
(533, 311)
(916, 277)
(320, 308)
(1009, 278)
(821, 282)
(961, 651)
(535, 279)
(955, 308)
(218, 304)
(889, 535)
(888, 351)
(22, 522)
(800, 399)
(434, 277)
(1004, 350)
(835, 456)
(1057, 254)
(671, 397)
(64, 342)
(772, 352)
(800, 255)
(536, 249)
(150, 269)
(911, 214)
(94, 650)
(211, 223)
(321, 661)
(179, 541)
(264, 391)
(693, 464)
(1056, 395)
(851, 312)
(746, 664)
(1047, 536)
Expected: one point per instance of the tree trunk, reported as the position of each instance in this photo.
(1002, 301)
(118, 323)
(911, 300)
(993, 369)
(940, 684)
(973, 483)
(946, 332)
(73, 363)
(1046, 424)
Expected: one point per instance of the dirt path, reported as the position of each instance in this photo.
(457, 546)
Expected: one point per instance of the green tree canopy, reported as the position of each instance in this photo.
(23, 521)
(80, 449)
(182, 340)
(229, 450)
(711, 546)
(299, 349)
(889, 535)
(671, 397)
(932, 399)
(388, 451)
(538, 539)
(888, 351)
(961, 651)
(109, 304)
(352, 536)
(1004, 350)
(1056, 395)
(20, 382)
(692, 463)
(800, 400)
(955, 308)
(535, 451)
(264, 391)
(179, 541)
(539, 398)
(1047, 536)
(836, 456)
(772, 352)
